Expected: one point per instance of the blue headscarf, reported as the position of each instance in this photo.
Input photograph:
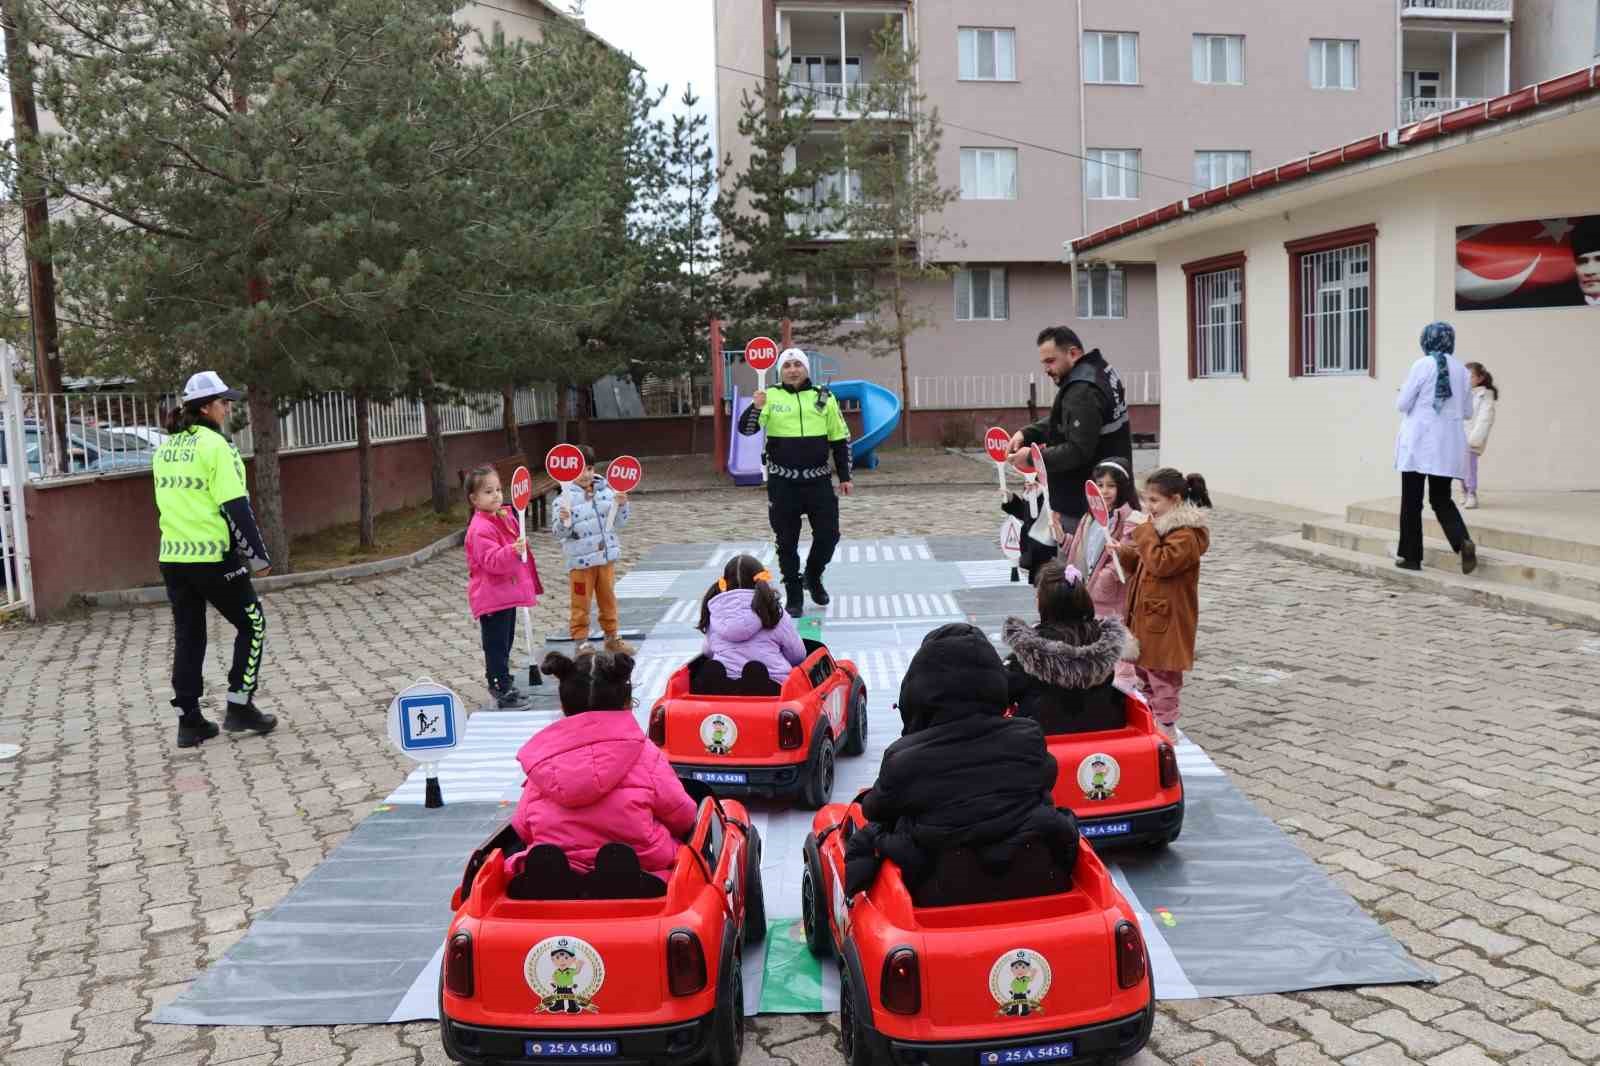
(1439, 341)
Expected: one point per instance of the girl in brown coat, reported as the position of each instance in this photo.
(1162, 559)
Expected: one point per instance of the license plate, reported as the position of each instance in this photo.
(1107, 829)
(720, 777)
(569, 1049)
(1032, 1053)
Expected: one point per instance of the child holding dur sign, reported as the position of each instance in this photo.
(502, 577)
(585, 528)
(1085, 547)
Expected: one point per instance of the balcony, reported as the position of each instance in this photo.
(830, 56)
(1413, 109)
(1459, 10)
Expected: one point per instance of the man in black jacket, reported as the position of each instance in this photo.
(1088, 421)
(961, 774)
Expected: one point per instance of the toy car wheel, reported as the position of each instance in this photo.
(855, 734)
(727, 1029)
(755, 899)
(819, 783)
(852, 1039)
(814, 907)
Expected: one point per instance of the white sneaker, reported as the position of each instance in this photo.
(1471, 503)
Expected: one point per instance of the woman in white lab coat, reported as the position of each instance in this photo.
(1431, 448)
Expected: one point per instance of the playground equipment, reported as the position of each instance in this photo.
(740, 456)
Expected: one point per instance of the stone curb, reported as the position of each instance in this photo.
(158, 593)
(1501, 597)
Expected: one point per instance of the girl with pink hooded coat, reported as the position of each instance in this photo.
(594, 778)
(501, 577)
(1085, 549)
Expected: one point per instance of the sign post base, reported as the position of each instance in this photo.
(433, 795)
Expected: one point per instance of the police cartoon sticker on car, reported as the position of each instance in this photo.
(566, 973)
(1019, 981)
(1098, 776)
(718, 733)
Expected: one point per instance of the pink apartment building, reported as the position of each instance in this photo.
(1063, 117)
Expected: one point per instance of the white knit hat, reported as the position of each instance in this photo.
(795, 355)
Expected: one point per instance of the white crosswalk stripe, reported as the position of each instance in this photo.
(985, 573)
(646, 584)
(895, 605)
(849, 551)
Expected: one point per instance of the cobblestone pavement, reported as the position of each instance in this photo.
(1438, 759)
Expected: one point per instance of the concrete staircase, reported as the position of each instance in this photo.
(1522, 564)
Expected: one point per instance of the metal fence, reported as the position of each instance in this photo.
(16, 584)
(956, 392)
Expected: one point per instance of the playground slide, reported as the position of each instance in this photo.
(744, 453)
(880, 413)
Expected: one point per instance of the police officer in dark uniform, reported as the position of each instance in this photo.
(804, 429)
(1088, 422)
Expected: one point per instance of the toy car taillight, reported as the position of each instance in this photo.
(686, 963)
(902, 983)
(458, 965)
(1130, 955)
(1168, 761)
(658, 725)
(790, 735)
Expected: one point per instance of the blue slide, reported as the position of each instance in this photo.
(880, 413)
(744, 453)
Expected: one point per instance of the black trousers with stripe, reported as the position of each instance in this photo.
(225, 586)
(790, 501)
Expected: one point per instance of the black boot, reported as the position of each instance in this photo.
(506, 694)
(795, 598)
(194, 727)
(819, 595)
(248, 718)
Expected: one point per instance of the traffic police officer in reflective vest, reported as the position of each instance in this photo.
(209, 545)
(804, 428)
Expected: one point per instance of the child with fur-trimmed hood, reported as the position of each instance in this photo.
(1162, 558)
(1060, 671)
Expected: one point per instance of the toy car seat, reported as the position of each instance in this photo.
(708, 677)
(1066, 711)
(546, 874)
(958, 877)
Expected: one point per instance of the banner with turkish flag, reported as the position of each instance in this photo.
(1549, 262)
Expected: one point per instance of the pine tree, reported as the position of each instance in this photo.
(893, 226)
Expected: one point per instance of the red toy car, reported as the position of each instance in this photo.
(1121, 780)
(750, 736)
(552, 966)
(976, 970)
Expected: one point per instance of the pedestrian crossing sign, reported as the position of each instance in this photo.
(425, 721)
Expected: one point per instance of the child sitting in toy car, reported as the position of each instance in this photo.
(1061, 670)
(594, 778)
(744, 622)
(962, 774)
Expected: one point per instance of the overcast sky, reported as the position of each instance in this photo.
(670, 39)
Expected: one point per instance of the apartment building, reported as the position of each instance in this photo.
(1062, 118)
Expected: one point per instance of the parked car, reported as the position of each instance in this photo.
(89, 450)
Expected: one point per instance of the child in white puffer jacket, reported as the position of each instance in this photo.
(591, 550)
(1484, 396)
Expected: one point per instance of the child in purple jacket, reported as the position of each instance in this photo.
(502, 576)
(744, 622)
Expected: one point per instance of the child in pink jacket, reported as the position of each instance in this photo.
(593, 776)
(1085, 548)
(501, 576)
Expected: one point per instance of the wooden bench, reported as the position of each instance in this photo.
(544, 487)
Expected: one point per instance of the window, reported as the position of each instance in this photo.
(1331, 288)
(981, 295)
(1112, 173)
(825, 70)
(1216, 316)
(1111, 58)
(988, 173)
(1100, 293)
(1333, 64)
(1218, 60)
(988, 55)
(1218, 168)
(833, 288)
